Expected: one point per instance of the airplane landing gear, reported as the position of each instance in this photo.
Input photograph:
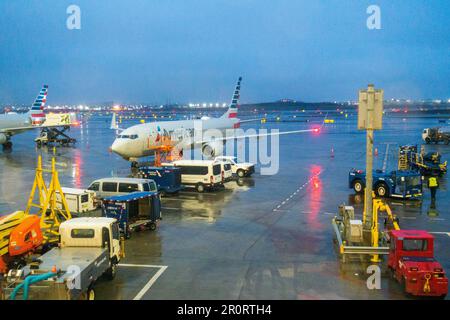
(7, 146)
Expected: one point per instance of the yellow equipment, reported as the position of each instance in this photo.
(48, 210)
(379, 206)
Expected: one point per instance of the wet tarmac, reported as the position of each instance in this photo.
(265, 237)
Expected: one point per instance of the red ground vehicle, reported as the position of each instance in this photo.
(411, 258)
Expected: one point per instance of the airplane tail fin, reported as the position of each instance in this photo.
(37, 109)
(115, 125)
(233, 108)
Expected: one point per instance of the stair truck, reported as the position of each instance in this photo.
(436, 135)
(89, 248)
(411, 260)
(396, 184)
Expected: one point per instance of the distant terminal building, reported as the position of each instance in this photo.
(287, 101)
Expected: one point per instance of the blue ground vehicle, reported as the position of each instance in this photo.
(168, 179)
(133, 211)
(396, 184)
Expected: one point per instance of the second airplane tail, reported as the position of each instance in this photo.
(233, 108)
(37, 109)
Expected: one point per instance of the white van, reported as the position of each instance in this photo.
(227, 170)
(108, 187)
(199, 173)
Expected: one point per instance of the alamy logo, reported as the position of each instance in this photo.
(374, 280)
(73, 21)
(374, 20)
(73, 279)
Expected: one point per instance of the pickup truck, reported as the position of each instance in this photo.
(89, 248)
(397, 184)
(241, 169)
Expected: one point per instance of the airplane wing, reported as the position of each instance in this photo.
(259, 135)
(16, 130)
(249, 120)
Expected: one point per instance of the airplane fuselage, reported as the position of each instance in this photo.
(144, 140)
(14, 120)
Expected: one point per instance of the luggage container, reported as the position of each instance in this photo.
(136, 210)
(78, 200)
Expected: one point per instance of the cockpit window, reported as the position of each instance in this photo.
(128, 136)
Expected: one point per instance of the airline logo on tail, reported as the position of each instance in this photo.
(37, 109)
(233, 109)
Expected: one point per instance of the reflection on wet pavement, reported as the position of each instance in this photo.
(242, 241)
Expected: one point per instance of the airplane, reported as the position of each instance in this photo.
(12, 123)
(143, 140)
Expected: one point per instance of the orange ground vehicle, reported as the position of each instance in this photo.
(24, 238)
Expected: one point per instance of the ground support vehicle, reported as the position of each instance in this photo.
(242, 169)
(133, 211)
(54, 135)
(20, 237)
(436, 135)
(88, 249)
(396, 184)
(411, 260)
(78, 200)
(168, 179)
(410, 253)
(427, 164)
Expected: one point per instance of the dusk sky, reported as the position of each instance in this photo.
(153, 51)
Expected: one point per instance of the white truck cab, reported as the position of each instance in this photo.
(242, 169)
(92, 232)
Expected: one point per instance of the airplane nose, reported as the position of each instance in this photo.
(117, 147)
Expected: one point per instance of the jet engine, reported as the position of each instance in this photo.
(213, 149)
(3, 138)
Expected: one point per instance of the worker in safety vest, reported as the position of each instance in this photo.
(433, 185)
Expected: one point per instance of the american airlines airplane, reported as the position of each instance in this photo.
(13, 123)
(146, 139)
